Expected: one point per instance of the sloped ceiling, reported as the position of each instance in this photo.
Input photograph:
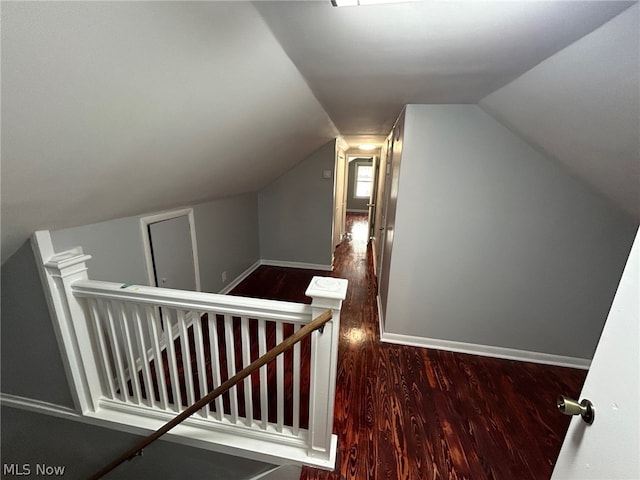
(119, 108)
(365, 63)
(112, 109)
(582, 107)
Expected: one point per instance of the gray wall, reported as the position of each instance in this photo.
(503, 248)
(226, 232)
(30, 438)
(590, 92)
(31, 362)
(296, 212)
(353, 203)
(115, 247)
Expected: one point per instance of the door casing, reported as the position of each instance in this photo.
(146, 241)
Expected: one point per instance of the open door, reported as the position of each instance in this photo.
(609, 448)
(373, 200)
(394, 157)
(171, 251)
(382, 172)
(339, 197)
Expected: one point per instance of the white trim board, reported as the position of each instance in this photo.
(280, 472)
(308, 266)
(476, 349)
(236, 281)
(147, 220)
(486, 350)
(271, 263)
(39, 406)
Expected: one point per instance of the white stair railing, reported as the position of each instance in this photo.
(152, 352)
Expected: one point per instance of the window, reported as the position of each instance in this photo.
(364, 180)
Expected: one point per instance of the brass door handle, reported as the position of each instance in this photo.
(585, 408)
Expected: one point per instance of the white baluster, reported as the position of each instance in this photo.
(155, 334)
(200, 358)
(186, 358)
(264, 395)
(129, 353)
(246, 360)
(215, 361)
(144, 356)
(116, 351)
(173, 362)
(231, 365)
(296, 385)
(279, 380)
(109, 377)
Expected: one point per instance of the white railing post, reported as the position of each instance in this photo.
(327, 293)
(65, 269)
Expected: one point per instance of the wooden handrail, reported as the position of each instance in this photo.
(289, 342)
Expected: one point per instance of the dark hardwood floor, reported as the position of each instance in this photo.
(412, 413)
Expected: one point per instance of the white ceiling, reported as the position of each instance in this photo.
(365, 63)
(112, 109)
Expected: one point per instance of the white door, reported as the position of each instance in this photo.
(391, 199)
(610, 447)
(381, 211)
(172, 253)
(339, 198)
(373, 200)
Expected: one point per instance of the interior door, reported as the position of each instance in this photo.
(340, 198)
(373, 200)
(381, 211)
(172, 253)
(391, 200)
(610, 447)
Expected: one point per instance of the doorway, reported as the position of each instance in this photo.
(170, 250)
(362, 178)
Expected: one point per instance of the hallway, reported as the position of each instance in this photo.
(412, 413)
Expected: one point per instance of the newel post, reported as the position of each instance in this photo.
(64, 269)
(327, 293)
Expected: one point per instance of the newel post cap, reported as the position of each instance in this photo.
(68, 263)
(327, 289)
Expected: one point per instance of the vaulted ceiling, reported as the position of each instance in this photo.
(120, 108)
(365, 63)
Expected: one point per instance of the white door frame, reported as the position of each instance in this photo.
(339, 198)
(146, 240)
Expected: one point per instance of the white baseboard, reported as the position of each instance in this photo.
(483, 350)
(272, 263)
(38, 406)
(308, 266)
(281, 472)
(236, 281)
